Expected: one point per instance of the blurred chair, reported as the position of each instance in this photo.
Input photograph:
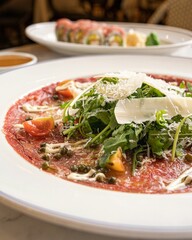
(97, 9)
(72, 9)
(130, 10)
(146, 8)
(15, 15)
(177, 13)
(104, 10)
(114, 11)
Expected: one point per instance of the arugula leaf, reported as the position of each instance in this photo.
(177, 133)
(159, 140)
(182, 85)
(188, 93)
(135, 158)
(94, 120)
(113, 80)
(126, 137)
(189, 87)
(160, 118)
(146, 91)
(101, 114)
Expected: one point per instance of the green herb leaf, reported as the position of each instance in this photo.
(160, 117)
(159, 139)
(189, 87)
(152, 40)
(176, 137)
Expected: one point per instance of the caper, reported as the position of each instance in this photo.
(46, 157)
(28, 118)
(100, 178)
(45, 166)
(87, 169)
(42, 150)
(63, 150)
(69, 153)
(188, 157)
(139, 157)
(82, 168)
(74, 168)
(112, 180)
(43, 145)
(57, 156)
(55, 97)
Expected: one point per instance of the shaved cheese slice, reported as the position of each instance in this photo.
(144, 109)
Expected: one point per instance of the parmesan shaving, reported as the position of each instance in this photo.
(144, 109)
(129, 82)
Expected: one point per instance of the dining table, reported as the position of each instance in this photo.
(16, 225)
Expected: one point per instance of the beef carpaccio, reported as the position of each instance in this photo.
(127, 131)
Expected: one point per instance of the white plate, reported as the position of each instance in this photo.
(44, 33)
(45, 196)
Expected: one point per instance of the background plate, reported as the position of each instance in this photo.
(45, 196)
(44, 33)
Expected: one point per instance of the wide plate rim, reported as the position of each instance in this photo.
(82, 223)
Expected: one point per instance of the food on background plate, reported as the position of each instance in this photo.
(95, 33)
(127, 131)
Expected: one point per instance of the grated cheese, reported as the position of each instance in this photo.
(129, 82)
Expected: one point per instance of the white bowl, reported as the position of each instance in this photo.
(13, 60)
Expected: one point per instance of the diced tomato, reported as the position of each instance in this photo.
(65, 92)
(39, 127)
(115, 161)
